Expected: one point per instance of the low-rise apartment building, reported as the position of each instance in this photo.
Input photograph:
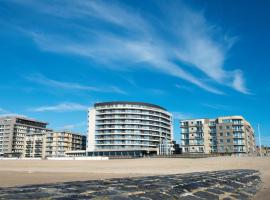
(22, 137)
(225, 135)
(35, 145)
(58, 143)
(262, 151)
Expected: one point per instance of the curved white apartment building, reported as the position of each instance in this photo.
(128, 128)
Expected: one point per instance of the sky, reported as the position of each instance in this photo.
(196, 58)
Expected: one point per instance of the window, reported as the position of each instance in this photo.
(221, 134)
(228, 140)
(226, 120)
(228, 134)
(220, 127)
(221, 140)
(227, 127)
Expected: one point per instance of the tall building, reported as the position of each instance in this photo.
(22, 137)
(129, 128)
(58, 143)
(232, 134)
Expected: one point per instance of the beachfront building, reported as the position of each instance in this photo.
(129, 129)
(224, 135)
(22, 137)
(262, 151)
(35, 145)
(58, 143)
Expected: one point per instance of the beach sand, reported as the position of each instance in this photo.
(26, 172)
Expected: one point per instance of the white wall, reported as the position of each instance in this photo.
(91, 129)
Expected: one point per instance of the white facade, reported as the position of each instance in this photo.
(91, 129)
(129, 126)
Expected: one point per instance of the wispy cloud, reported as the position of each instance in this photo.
(181, 115)
(238, 82)
(40, 79)
(62, 107)
(2, 110)
(5, 113)
(216, 106)
(138, 39)
(184, 87)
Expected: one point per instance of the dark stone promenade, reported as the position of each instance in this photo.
(229, 184)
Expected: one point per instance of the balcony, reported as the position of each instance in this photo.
(238, 143)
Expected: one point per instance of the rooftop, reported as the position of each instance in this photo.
(128, 102)
(23, 118)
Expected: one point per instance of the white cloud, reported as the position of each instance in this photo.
(205, 53)
(216, 106)
(184, 87)
(127, 51)
(4, 113)
(182, 34)
(40, 79)
(182, 116)
(62, 107)
(3, 110)
(238, 82)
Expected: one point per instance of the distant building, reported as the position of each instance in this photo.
(225, 135)
(129, 129)
(263, 151)
(35, 145)
(22, 137)
(58, 143)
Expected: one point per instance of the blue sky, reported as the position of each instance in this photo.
(196, 58)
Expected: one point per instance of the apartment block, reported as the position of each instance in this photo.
(35, 145)
(129, 129)
(22, 137)
(262, 151)
(58, 143)
(224, 135)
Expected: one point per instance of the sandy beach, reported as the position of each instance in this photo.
(25, 172)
